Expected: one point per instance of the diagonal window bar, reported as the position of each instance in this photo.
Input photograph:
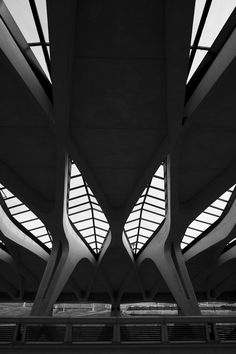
(207, 218)
(31, 18)
(26, 219)
(84, 211)
(210, 17)
(148, 213)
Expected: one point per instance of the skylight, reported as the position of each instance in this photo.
(209, 19)
(31, 18)
(207, 218)
(23, 215)
(148, 213)
(84, 211)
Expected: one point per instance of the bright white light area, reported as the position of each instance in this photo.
(207, 218)
(148, 213)
(84, 211)
(22, 214)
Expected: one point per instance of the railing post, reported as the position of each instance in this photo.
(215, 333)
(164, 333)
(68, 334)
(15, 333)
(116, 333)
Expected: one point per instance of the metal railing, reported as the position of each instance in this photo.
(169, 330)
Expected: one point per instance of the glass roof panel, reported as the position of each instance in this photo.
(26, 20)
(148, 213)
(23, 215)
(206, 219)
(217, 16)
(22, 14)
(42, 11)
(200, 54)
(84, 211)
(199, 6)
(38, 52)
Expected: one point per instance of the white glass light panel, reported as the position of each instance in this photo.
(148, 213)
(218, 15)
(198, 10)
(23, 16)
(207, 218)
(84, 211)
(23, 215)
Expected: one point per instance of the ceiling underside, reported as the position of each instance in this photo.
(119, 110)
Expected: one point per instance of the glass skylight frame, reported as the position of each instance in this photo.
(25, 219)
(84, 211)
(200, 45)
(206, 220)
(148, 213)
(41, 42)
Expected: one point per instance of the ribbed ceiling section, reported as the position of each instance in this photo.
(148, 213)
(26, 218)
(84, 211)
(207, 218)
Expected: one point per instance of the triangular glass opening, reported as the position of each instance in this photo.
(31, 18)
(207, 218)
(84, 211)
(148, 213)
(24, 216)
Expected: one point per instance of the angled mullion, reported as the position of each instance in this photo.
(133, 220)
(190, 236)
(153, 222)
(223, 200)
(155, 206)
(40, 34)
(159, 177)
(100, 228)
(158, 189)
(207, 212)
(157, 198)
(133, 228)
(153, 212)
(193, 228)
(140, 216)
(21, 212)
(87, 236)
(23, 222)
(199, 32)
(79, 212)
(100, 220)
(93, 222)
(77, 187)
(77, 205)
(146, 228)
(74, 176)
(204, 222)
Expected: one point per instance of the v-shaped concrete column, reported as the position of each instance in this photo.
(68, 250)
(168, 259)
(164, 251)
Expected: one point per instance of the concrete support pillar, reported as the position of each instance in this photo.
(174, 272)
(64, 257)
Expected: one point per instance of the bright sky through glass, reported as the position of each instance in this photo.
(22, 14)
(208, 217)
(84, 211)
(148, 213)
(26, 217)
(219, 13)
